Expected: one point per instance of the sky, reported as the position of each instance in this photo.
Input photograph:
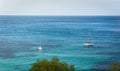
(60, 7)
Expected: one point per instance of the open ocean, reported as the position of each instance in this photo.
(61, 36)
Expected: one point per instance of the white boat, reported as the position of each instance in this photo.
(40, 48)
(88, 43)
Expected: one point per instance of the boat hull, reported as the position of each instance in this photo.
(40, 48)
(88, 44)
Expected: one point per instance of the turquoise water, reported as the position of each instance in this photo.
(61, 36)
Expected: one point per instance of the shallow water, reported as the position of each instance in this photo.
(61, 36)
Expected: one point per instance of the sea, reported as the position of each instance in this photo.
(59, 36)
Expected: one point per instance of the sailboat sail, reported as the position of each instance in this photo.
(88, 43)
(40, 47)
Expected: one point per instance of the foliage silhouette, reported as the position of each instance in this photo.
(53, 65)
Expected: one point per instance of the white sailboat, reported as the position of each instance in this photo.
(40, 48)
(88, 43)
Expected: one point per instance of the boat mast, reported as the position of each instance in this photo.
(89, 40)
(40, 41)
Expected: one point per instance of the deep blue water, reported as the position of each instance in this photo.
(61, 36)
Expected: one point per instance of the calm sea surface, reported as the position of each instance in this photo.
(61, 36)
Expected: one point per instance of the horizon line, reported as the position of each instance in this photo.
(56, 15)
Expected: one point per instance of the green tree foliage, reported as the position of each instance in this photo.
(53, 65)
(115, 66)
(72, 68)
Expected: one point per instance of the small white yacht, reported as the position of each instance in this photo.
(88, 43)
(40, 48)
